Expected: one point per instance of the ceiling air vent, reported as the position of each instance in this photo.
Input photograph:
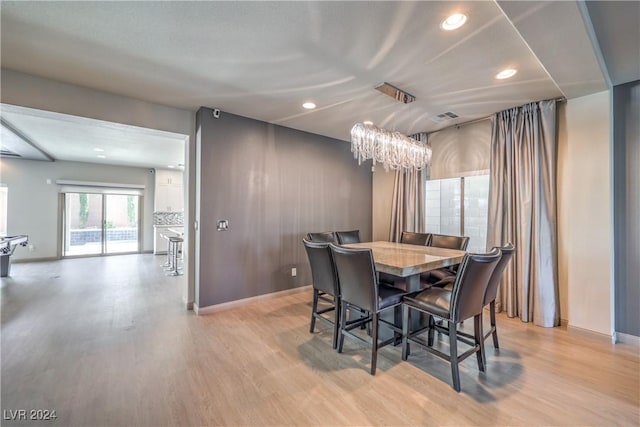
(7, 153)
(397, 94)
(449, 115)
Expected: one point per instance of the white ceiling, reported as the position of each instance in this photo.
(264, 59)
(80, 139)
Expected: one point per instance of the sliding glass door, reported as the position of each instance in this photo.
(121, 223)
(97, 224)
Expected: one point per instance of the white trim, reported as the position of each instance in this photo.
(591, 332)
(245, 301)
(627, 339)
(97, 184)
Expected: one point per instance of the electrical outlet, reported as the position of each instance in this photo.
(294, 272)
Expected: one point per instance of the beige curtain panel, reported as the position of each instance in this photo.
(407, 210)
(522, 210)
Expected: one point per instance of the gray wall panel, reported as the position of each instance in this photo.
(626, 176)
(273, 184)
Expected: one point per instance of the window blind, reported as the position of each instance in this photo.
(69, 186)
(460, 151)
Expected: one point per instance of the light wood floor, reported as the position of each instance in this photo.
(107, 342)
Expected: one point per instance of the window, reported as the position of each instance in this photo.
(459, 206)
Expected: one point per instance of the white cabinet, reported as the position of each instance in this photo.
(170, 177)
(169, 196)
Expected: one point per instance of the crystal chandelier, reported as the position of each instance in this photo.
(393, 149)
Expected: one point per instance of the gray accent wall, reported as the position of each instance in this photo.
(626, 217)
(273, 184)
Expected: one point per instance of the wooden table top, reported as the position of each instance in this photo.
(405, 260)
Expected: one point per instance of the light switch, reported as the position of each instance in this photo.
(223, 225)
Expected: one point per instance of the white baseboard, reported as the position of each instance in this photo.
(571, 328)
(26, 260)
(627, 339)
(238, 303)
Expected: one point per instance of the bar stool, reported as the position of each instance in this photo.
(167, 263)
(175, 248)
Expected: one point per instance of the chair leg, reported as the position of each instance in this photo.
(453, 350)
(405, 331)
(397, 322)
(314, 310)
(374, 342)
(478, 335)
(431, 331)
(336, 321)
(366, 324)
(343, 324)
(494, 334)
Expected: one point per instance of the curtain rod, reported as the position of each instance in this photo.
(481, 119)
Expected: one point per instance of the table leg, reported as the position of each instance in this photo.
(418, 319)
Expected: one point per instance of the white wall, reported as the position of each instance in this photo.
(50, 95)
(34, 207)
(584, 212)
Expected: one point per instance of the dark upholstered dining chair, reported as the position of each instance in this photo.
(411, 238)
(464, 300)
(346, 237)
(361, 291)
(448, 242)
(492, 291)
(325, 285)
(322, 237)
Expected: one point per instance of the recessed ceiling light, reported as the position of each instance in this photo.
(171, 166)
(102, 156)
(99, 150)
(309, 105)
(505, 74)
(454, 22)
(367, 122)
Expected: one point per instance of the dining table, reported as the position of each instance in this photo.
(409, 261)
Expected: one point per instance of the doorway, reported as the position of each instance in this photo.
(101, 224)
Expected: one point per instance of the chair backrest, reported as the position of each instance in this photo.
(467, 295)
(421, 239)
(357, 276)
(494, 282)
(449, 242)
(345, 237)
(323, 270)
(323, 237)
